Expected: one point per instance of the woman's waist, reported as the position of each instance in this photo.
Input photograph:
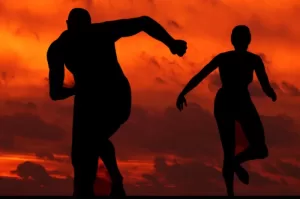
(238, 90)
(234, 95)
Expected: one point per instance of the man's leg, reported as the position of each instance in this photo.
(108, 156)
(85, 165)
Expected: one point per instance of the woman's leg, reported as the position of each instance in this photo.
(227, 134)
(226, 125)
(254, 132)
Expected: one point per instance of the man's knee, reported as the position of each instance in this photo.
(84, 157)
(106, 147)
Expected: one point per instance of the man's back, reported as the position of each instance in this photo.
(91, 57)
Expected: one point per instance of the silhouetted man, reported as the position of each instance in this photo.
(102, 92)
(233, 103)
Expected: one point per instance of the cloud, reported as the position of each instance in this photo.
(171, 177)
(34, 171)
(160, 80)
(34, 180)
(290, 89)
(174, 24)
(174, 178)
(191, 133)
(280, 131)
(30, 127)
(45, 155)
(265, 58)
(287, 169)
(19, 105)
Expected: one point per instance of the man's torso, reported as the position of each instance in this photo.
(99, 80)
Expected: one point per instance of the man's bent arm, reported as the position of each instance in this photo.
(129, 27)
(210, 67)
(262, 76)
(56, 74)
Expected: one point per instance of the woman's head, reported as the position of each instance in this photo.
(241, 37)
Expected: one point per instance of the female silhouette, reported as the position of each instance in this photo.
(233, 103)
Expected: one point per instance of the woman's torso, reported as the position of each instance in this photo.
(236, 73)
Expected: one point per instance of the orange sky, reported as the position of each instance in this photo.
(27, 28)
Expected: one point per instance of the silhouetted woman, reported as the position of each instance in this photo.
(233, 103)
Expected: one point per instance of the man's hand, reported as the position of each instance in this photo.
(181, 101)
(178, 47)
(271, 94)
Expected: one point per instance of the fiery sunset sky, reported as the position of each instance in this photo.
(160, 150)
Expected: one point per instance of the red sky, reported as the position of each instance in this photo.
(160, 150)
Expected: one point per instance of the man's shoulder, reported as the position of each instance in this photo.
(57, 43)
(101, 29)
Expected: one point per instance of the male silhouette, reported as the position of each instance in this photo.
(102, 92)
(233, 103)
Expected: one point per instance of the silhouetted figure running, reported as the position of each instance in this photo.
(102, 92)
(233, 103)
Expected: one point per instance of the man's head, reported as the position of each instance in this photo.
(78, 19)
(241, 37)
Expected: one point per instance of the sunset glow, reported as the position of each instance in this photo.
(159, 148)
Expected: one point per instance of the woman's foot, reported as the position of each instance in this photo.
(117, 190)
(242, 174)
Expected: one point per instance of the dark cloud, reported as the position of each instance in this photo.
(259, 180)
(26, 32)
(255, 89)
(160, 80)
(265, 59)
(45, 155)
(12, 68)
(19, 105)
(5, 78)
(191, 133)
(150, 59)
(30, 126)
(193, 178)
(35, 180)
(174, 24)
(27, 126)
(288, 169)
(290, 89)
(264, 29)
(283, 169)
(270, 168)
(280, 131)
(161, 68)
(34, 171)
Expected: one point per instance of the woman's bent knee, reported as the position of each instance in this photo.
(264, 152)
(261, 152)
